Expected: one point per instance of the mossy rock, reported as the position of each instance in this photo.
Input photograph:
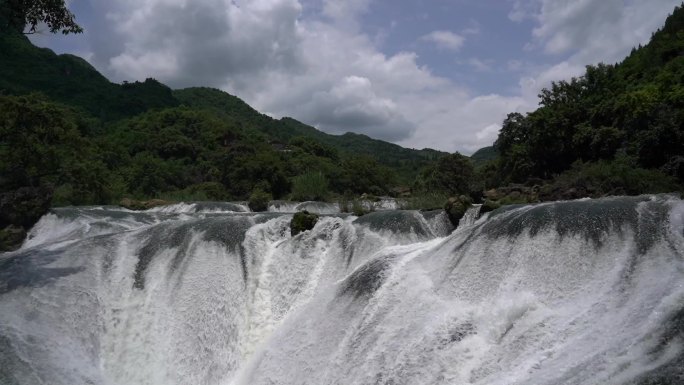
(456, 207)
(11, 238)
(259, 200)
(133, 204)
(302, 221)
(489, 205)
(24, 206)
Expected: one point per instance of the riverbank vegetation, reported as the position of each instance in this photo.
(69, 134)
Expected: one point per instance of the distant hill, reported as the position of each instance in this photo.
(65, 125)
(484, 155)
(407, 162)
(71, 80)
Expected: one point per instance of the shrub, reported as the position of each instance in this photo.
(258, 201)
(358, 209)
(620, 176)
(424, 201)
(311, 186)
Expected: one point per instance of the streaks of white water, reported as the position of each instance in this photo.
(530, 308)
(470, 215)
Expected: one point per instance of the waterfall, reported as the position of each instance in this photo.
(577, 292)
(470, 215)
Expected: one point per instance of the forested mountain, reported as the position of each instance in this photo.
(406, 162)
(616, 129)
(484, 155)
(70, 137)
(72, 81)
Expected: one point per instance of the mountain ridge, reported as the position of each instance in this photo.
(71, 80)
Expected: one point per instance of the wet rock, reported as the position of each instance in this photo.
(11, 238)
(137, 205)
(302, 221)
(456, 207)
(489, 205)
(20, 209)
(24, 206)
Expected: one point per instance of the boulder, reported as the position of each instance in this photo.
(24, 206)
(456, 207)
(302, 221)
(11, 237)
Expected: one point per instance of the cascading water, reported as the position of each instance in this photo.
(579, 292)
(470, 216)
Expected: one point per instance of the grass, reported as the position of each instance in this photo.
(311, 186)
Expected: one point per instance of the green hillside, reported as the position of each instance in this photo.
(71, 80)
(144, 140)
(618, 129)
(406, 162)
(484, 155)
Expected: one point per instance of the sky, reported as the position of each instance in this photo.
(440, 74)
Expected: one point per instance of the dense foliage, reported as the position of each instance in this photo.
(26, 15)
(616, 130)
(143, 140)
(42, 144)
(631, 113)
(407, 163)
(453, 174)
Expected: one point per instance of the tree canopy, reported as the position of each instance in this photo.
(27, 15)
(631, 111)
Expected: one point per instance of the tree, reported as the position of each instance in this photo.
(452, 174)
(26, 15)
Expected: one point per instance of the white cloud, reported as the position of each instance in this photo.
(445, 39)
(522, 10)
(345, 11)
(480, 65)
(592, 30)
(316, 65)
(577, 33)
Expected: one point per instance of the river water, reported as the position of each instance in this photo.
(578, 292)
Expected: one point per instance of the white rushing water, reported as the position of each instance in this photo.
(579, 292)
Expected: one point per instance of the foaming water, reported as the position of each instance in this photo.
(470, 215)
(313, 207)
(580, 292)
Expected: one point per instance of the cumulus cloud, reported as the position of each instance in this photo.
(586, 32)
(352, 104)
(203, 43)
(345, 12)
(311, 60)
(462, 122)
(445, 39)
